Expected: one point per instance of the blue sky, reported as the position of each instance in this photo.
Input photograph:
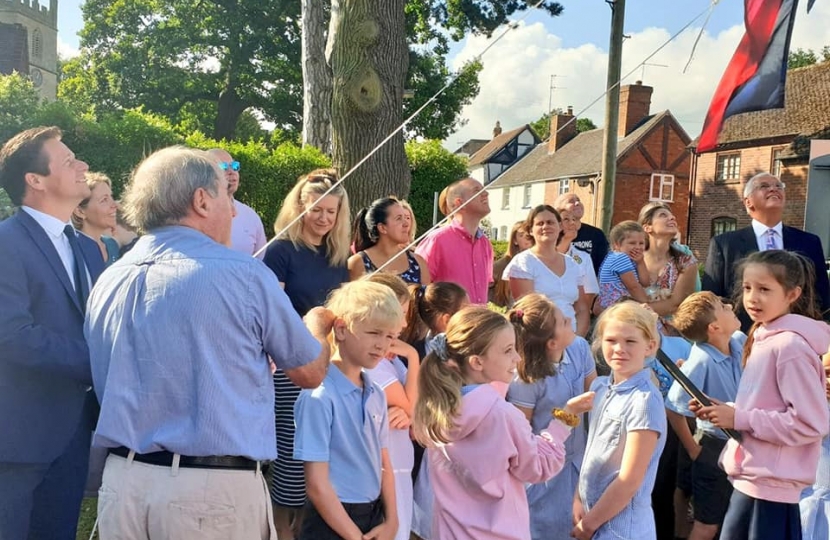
(515, 82)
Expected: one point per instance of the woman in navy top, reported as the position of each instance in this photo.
(95, 215)
(309, 260)
(379, 233)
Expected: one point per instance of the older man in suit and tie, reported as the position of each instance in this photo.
(47, 411)
(764, 199)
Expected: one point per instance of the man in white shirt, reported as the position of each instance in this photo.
(764, 200)
(47, 412)
(247, 232)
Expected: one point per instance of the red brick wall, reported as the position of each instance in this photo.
(712, 200)
(661, 151)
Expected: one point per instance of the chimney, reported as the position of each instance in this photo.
(560, 135)
(497, 129)
(635, 104)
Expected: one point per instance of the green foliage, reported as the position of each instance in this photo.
(802, 58)
(499, 248)
(542, 125)
(433, 168)
(266, 176)
(18, 102)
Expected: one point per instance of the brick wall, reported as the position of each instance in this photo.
(711, 200)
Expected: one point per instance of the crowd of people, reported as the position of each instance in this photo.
(202, 383)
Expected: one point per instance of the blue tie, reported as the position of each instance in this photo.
(770, 239)
(78, 267)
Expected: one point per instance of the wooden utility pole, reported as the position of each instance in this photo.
(612, 114)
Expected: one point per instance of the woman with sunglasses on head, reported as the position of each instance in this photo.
(309, 259)
(379, 232)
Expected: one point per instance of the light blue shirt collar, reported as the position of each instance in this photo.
(52, 225)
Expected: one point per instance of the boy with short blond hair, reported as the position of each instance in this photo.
(342, 425)
(713, 366)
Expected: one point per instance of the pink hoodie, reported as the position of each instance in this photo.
(478, 479)
(781, 411)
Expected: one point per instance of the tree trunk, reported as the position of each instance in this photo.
(316, 77)
(369, 58)
(231, 107)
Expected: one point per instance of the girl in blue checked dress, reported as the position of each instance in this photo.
(627, 432)
(815, 500)
(556, 366)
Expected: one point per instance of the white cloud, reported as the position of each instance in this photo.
(516, 76)
(66, 50)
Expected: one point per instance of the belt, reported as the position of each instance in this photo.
(165, 459)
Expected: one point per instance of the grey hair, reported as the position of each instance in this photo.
(161, 188)
(750, 184)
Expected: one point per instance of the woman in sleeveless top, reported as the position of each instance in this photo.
(379, 232)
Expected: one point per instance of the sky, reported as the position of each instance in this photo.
(516, 79)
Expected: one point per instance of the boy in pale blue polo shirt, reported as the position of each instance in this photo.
(714, 366)
(342, 425)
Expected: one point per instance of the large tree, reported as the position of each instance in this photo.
(316, 75)
(369, 60)
(171, 55)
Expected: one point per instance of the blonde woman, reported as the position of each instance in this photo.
(309, 260)
(95, 216)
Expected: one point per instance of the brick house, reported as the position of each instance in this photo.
(775, 140)
(652, 164)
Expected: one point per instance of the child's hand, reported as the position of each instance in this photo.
(720, 415)
(402, 348)
(580, 404)
(385, 531)
(398, 419)
(582, 532)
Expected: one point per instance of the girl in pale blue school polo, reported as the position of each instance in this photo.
(614, 495)
(556, 366)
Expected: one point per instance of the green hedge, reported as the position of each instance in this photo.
(433, 168)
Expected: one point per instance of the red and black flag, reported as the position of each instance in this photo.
(755, 78)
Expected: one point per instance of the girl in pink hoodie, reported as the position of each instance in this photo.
(481, 449)
(781, 408)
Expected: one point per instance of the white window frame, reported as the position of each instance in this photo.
(728, 168)
(665, 187)
(564, 186)
(527, 195)
(505, 198)
(777, 164)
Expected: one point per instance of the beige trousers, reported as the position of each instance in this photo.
(137, 500)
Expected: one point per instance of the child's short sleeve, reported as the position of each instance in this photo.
(646, 413)
(313, 416)
(383, 374)
(678, 399)
(620, 263)
(580, 353)
(524, 394)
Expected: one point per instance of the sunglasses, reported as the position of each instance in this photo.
(233, 165)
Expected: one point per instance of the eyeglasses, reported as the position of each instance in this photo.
(766, 186)
(233, 165)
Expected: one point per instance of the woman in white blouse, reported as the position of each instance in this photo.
(544, 270)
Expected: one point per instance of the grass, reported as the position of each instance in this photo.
(89, 510)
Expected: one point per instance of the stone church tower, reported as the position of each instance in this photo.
(41, 31)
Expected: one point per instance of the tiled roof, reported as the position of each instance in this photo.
(472, 146)
(806, 111)
(581, 156)
(495, 145)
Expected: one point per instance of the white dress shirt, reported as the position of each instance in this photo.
(54, 230)
(761, 235)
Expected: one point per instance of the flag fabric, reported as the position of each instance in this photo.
(810, 5)
(756, 75)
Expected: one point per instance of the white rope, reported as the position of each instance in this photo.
(700, 34)
(496, 181)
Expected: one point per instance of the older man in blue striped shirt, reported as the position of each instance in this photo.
(180, 333)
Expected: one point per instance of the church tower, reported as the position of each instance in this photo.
(39, 25)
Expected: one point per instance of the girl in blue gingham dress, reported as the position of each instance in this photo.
(627, 432)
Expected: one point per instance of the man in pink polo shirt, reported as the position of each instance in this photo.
(461, 252)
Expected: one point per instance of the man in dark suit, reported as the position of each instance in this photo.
(764, 199)
(47, 411)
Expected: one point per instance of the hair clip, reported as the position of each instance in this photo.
(438, 345)
(517, 315)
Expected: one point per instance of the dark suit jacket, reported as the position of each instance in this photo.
(44, 360)
(728, 249)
